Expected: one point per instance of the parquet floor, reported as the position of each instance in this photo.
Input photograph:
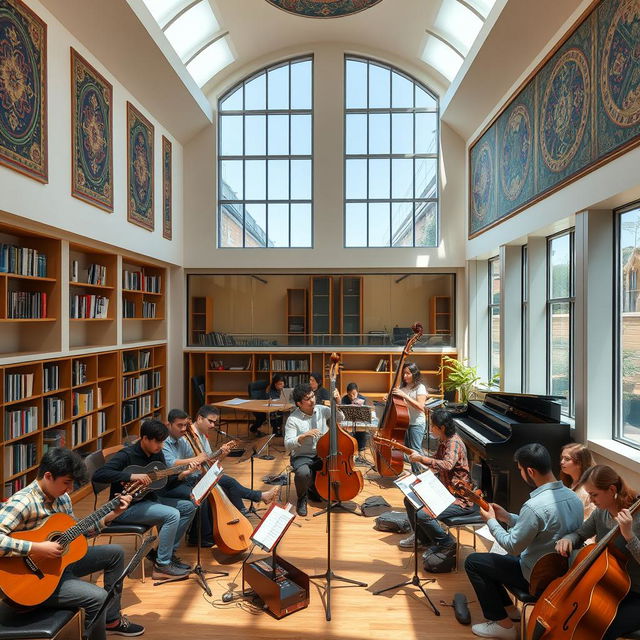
(358, 552)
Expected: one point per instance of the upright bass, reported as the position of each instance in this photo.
(338, 479)
(395, 419)
(231, 529)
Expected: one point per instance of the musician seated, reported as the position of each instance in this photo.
(354, 397)
(575, 459)
(274, 392)
(551, 512)
(321, 393)
(612, 498)
(172, 516)
(177, 451)
(302, 431)
(451, 466)
(30, 507)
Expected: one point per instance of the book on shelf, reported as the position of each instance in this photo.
(139, 281)
(149, 309)
(89, 306)
(81, 430)
(54, 438)
(99, 396)
(128, 309)
(382, 365)
(27, 305)
(53, 410)
(82, 402)
(19, 457)
(51, 377)
(15, 485)
(97, 274)
(18, 386)
(74, 271)
(19, 422)
(102, 422)
(22, 261)
(79, 372)
(130, 362)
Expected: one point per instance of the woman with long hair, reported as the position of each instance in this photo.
(612, 498)
(321, 393)
(575, 459)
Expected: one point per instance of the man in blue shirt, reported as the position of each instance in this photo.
(551, 512)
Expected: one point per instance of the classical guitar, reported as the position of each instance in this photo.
(28, 582)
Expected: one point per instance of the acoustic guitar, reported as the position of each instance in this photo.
(28, 582)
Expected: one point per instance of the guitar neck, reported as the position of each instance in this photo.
(158, 474)
(85, 525)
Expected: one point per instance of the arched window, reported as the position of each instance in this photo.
(265, 159)
(391, 158)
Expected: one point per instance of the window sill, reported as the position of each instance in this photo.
(616, 451)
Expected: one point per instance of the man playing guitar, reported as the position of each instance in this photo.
(31, 506)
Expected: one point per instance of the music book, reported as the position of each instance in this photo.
(208, 480)
(405, 485)
(432, 493)
(273, 526)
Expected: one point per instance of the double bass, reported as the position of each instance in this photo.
(338, 479)
(231, 529)
(583, 603)
(395, 419)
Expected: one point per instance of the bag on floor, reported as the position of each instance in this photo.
(393, 521)
(374, 506)
(439, 561)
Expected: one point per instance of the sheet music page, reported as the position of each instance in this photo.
(236, 401)
(206, 482)
(404, 484)
(273, 525)
(432, 492)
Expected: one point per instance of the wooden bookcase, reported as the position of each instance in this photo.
(88, 328)
(200, 317)
(440, 315)
(351, 307)
(29, 291)
(219, 384)
(296, 317)
(321, 312)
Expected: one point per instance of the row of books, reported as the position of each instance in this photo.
(18, 457)
(27, 305)
(149, 309)
(54, 438)
(133, 385)
(53, 410)
(383, 365)
(20, 422)
(288, 365)
(96, 273)
(79, 372)
(22, 261)
(139, 281)
(15, 485)
(89, 306)
(219, 364)
(135, 408)
(51, 377)
(81, 430)
(216, 339)
(82, 402)
(128, 309)
(292, 381)
(18, 386)
(133, 361)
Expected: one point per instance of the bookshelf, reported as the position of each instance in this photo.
(296, 318)
(220, 382)
(440, 314)
(200, 317)
(351, 307)
(321, 312)
(92, 301)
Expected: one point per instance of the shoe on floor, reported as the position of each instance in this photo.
(407, 543)
(301, 506)
(492, 629)
(162, 571)
(361, 462)
(125, 628)
(175, 561)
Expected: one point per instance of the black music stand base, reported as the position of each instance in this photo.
(338, 504)
(252, 504)
(415, 580)
(198, 572)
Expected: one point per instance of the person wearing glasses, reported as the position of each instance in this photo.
(304, 427)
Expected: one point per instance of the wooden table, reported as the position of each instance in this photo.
(256, 406)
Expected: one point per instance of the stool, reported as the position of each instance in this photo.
(28, 624)
(526, 601)
(456, 524)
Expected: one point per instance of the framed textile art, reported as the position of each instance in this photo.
(23, 90)
(166, 189)
(139, 169)
(91, 135)
(323, 8)
(579, 110)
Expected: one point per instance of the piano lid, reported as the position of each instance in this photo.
(525, 407)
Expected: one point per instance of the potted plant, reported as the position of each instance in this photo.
(459, 376)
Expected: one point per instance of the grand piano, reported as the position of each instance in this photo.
(495, 428)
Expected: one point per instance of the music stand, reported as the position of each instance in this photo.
(254, 449)
(358, 415)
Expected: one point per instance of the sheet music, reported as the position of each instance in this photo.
(206, 482)
(404, 484)
(236, 401)
(272, 527)
(432, 492)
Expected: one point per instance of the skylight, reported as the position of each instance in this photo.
(164, 10)
(442, 57)
(482, 6)
(210, 60)
(190, 31)
(458, 24)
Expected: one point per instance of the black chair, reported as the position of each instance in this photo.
(27, 624)
(93, 462)
(199, 389)
(469, 523)
(526, 601)
(257, 390)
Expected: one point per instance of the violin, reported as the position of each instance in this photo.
(338, 479)
(231, 529)
(395, 419)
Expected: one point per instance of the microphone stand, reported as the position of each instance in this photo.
(264, 443)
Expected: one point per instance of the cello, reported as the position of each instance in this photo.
(338, 480)
(231, 529)
(583, 603)
(395, 419)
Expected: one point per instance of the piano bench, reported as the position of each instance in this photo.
(469, 523)
(526, 601)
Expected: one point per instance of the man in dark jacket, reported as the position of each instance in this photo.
(172, 516)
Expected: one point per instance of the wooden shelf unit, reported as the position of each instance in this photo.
(200, 317)
(358, 366)
(440, 315)
(351, 307)
(296, 316)
(321, 307)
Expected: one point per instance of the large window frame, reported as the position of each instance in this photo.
(524, 320)
(237, 208)
(553, 302)
(493, 308)
(626, 370)
(416, 207)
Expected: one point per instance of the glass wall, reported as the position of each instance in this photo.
(494, 317)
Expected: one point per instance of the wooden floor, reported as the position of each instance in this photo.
(358, 552)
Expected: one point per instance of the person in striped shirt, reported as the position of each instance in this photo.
(30, 507)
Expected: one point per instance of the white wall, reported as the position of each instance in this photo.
(52, 203)
(328, 252)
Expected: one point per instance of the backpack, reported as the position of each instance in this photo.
(439, 561)
(374, 506)
(393, 521)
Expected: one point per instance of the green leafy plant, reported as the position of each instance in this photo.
(460, 377)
